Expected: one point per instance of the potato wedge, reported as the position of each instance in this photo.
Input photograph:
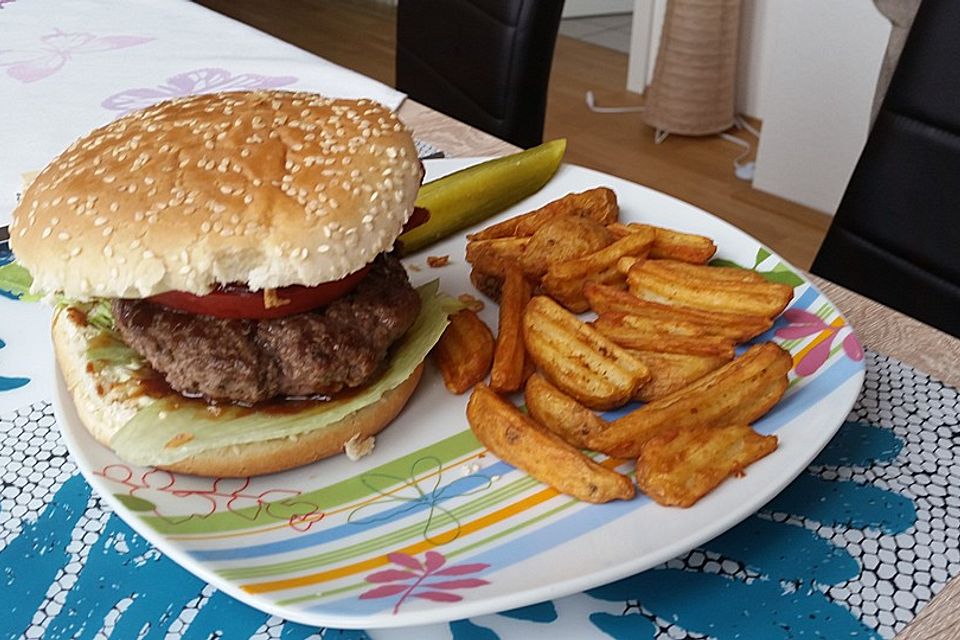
(495, 256)
(508, 359)
(565, 281)
(657, 284)
(672, 244)
(739, 392)
(707, 273)
(520, 441)
(626, 263)
(599, 204)
(560, 413)
(662, 334)
(465, 351)
(560, 239)
(672, 371)
(578, 359)
(678, 467)
(738, 327)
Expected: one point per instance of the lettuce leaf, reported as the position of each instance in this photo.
(173, 429)
(99, 314)
(16, 280)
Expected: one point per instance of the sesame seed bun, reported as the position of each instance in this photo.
(268, 188)
(104, 407)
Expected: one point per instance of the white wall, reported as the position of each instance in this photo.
(754, 34)
(821, 59)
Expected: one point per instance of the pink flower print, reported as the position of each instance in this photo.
(190, 83)
(851, 346)
(56, 49)
(412, 579)
(802, 324)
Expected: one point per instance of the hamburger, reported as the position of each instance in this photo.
(228, 303)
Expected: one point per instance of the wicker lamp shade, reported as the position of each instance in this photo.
(693, 91)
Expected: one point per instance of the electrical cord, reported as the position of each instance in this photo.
(741, 169)
(592, 105)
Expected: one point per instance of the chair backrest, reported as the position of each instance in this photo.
(484, 62)
(896, 234)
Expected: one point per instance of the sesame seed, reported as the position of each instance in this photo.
(63, 235)
(75, 252)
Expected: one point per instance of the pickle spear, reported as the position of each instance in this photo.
(471, 195)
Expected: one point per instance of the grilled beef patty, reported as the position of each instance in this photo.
(319, 352)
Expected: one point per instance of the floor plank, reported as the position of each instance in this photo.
(359, 34)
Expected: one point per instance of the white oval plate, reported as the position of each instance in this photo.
(430, 528)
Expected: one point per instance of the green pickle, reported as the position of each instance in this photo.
(472, 195)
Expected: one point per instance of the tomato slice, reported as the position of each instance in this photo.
(417, 218)
(236, 301)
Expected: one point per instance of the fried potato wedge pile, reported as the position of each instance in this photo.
(522, 442)
(664, 334)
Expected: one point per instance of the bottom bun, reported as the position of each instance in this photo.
(105, 406)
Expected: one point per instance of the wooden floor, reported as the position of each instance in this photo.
(359, 34)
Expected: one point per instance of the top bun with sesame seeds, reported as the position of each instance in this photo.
(264, 188)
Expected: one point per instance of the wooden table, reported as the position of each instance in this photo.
(878, 327)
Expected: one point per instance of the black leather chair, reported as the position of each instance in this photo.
(484, 62)
(896, 234)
